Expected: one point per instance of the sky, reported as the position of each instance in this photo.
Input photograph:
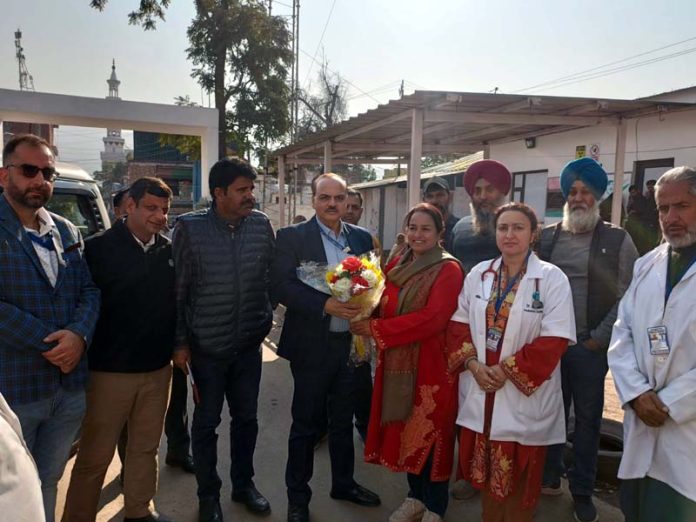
(460, 45)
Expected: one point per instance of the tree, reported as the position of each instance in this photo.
(146, 15)
(325, 107)
(111, 179)
(187, 145)
(431, 161)
(243, 55)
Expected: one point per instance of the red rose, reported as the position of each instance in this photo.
(359, 281)
(334, 278)
(352, 264)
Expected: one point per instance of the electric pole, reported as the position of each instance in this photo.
(26, 81)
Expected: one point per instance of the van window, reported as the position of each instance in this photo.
(77, 209)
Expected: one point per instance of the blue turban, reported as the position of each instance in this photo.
(589, 172)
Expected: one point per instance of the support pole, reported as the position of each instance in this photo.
(209, 156)
(414, 168)
(281, 191)
(617, 201)
(328, 160)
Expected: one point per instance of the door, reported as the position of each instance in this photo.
(647, 170)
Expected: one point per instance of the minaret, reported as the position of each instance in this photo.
(113, 142)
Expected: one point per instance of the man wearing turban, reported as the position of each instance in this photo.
(597, 257)
(473, 239)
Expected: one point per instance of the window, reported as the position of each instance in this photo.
(530, 188)
(77, 209)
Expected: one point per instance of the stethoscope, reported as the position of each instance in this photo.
(537, 304)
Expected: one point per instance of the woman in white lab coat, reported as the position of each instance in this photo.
(514, 322)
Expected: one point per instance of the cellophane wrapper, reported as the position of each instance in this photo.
(356, 280)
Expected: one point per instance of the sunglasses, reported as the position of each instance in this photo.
(30, 171)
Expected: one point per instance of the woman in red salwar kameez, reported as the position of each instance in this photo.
(514, 321)
(414, 402)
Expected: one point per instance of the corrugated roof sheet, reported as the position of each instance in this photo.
(480, 118)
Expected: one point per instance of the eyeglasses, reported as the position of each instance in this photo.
(30, 171)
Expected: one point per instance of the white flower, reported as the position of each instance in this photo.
(370, 277)
(342, 287)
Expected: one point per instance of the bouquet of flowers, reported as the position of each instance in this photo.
(356, 280)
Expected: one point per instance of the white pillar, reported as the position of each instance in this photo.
(2, 136)
(617, 201)
(209, 156)
(281, 191)
(414, 168)
(328, 160)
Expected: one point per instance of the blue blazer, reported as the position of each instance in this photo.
(30, 309)
(306, 327)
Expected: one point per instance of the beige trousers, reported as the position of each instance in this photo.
(140, 399)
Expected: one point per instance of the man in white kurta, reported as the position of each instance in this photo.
(652, 357)
(20, 488)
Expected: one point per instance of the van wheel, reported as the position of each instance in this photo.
(610, 450)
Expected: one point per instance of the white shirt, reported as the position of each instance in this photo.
(536, 420)
(667, 453)
(49, 258)
(145, 246)
(20, 487)
(334, 255)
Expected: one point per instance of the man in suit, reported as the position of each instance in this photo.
(316, 340)
(48, 310)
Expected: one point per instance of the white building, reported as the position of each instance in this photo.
(114, 145)
(535, 136)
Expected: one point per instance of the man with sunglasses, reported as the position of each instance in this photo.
(48, 311)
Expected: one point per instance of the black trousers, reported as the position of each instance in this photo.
(435, 495)
(363, 398)
(236, 380)
(327, 383)
(176, 421)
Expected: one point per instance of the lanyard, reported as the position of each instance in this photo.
(45, 241)
(502, 295)
(342, 247)
(668, 285)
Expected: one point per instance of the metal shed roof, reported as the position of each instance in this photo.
(450, 168)
(461, 123)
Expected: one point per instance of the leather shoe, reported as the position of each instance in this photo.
(358, 495)
(298, 513)
(253, 500)
(184, 462)
(209, 511)
(154, 516)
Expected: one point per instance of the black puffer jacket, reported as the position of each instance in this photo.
(222, 282)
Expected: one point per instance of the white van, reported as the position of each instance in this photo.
(76, 197)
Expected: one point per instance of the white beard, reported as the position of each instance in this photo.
(686, 240)
(580, 220)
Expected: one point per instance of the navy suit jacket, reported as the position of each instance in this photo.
(30, 309)
(306, 327)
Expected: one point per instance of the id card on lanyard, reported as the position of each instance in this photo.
(494, 334)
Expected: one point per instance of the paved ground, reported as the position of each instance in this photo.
(177, 490)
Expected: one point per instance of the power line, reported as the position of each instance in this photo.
(623, 68)
(321, 39)
(580, 73)
(346, 80)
